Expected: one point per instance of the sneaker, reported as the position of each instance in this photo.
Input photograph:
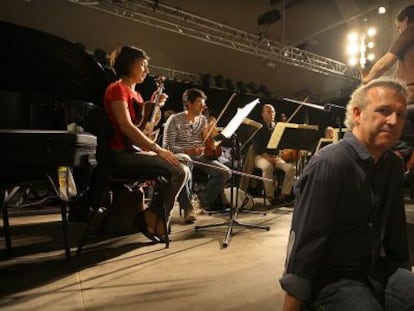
(197, 208)
(189, 217)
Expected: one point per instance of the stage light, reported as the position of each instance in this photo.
(241, 87)
(206, 79)
(353, 61)
(265, 91)
(352, 49)
(253, 87)
(353, 37)
(382, 10)
(371, 57)
(371, 32)
(268, 17)
(358, 45)
(219, 80)
(229, 85)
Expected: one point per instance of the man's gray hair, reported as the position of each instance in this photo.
(360, 99)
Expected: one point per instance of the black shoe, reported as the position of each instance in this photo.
(141, 225)
(277, 202)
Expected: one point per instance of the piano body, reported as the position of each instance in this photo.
(46, 83)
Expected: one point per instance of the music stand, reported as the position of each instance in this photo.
(229, 132)
(294, 136)
(323, 142)
(246, 131)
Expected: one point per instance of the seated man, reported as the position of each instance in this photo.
(267, 159)
(185, 133)
(348, 247)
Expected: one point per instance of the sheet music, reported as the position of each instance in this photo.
(240, 115)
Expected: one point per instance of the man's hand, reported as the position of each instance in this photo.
(291, 303)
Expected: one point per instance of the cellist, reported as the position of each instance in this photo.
(185, 133)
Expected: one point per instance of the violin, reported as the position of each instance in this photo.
(212, 149)
(151, 113)
(289, 155)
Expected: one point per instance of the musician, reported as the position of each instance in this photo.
(186, 132)
(131, 66)
(401, 52)
(329, 132)
(268, 160)
(283, 117)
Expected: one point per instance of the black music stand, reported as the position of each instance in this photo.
(294, 136)
(246, 131)
(229, 132)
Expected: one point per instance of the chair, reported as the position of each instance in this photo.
(106, 176)
(247, 184)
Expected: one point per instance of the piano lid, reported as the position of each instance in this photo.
(35, 61)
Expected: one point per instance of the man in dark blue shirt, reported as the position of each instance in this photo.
(348, 246)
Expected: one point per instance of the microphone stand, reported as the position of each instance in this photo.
(339, 110)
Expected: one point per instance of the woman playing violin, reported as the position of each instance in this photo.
(131, 66)
(185, 132)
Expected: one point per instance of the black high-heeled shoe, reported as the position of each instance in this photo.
(141, 225)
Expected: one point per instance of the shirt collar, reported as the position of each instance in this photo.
(361, 151)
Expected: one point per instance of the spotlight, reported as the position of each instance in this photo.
(229, 85)
(253, 87)
(206, 79)
(219, 81)
(268, 17)
(265, 91)
(241, 87)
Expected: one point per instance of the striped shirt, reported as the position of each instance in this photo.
(180, 134)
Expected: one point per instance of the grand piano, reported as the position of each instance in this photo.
(46, 83)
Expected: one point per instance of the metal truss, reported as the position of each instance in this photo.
(172, 74)
(156, 14)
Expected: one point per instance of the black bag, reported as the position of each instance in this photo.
(126, 204)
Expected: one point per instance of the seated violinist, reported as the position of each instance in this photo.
(131, 66)
(186, 132)
(268, 160)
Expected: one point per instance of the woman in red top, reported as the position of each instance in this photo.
(131, 66)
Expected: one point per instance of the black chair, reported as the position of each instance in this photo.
(106, 176)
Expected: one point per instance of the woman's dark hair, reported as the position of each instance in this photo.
(407, 12)
(123, 57)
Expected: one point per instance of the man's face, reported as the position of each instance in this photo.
(401, 26)
(197, 106)
(379, 125)
(268, 114)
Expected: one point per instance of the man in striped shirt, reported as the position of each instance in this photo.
(185, 133)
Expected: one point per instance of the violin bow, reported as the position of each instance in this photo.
(225, 169)
(220, 115)
(297, 109)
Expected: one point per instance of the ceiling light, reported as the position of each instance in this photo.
(353, 37)
(371, 31)
(353, 61)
